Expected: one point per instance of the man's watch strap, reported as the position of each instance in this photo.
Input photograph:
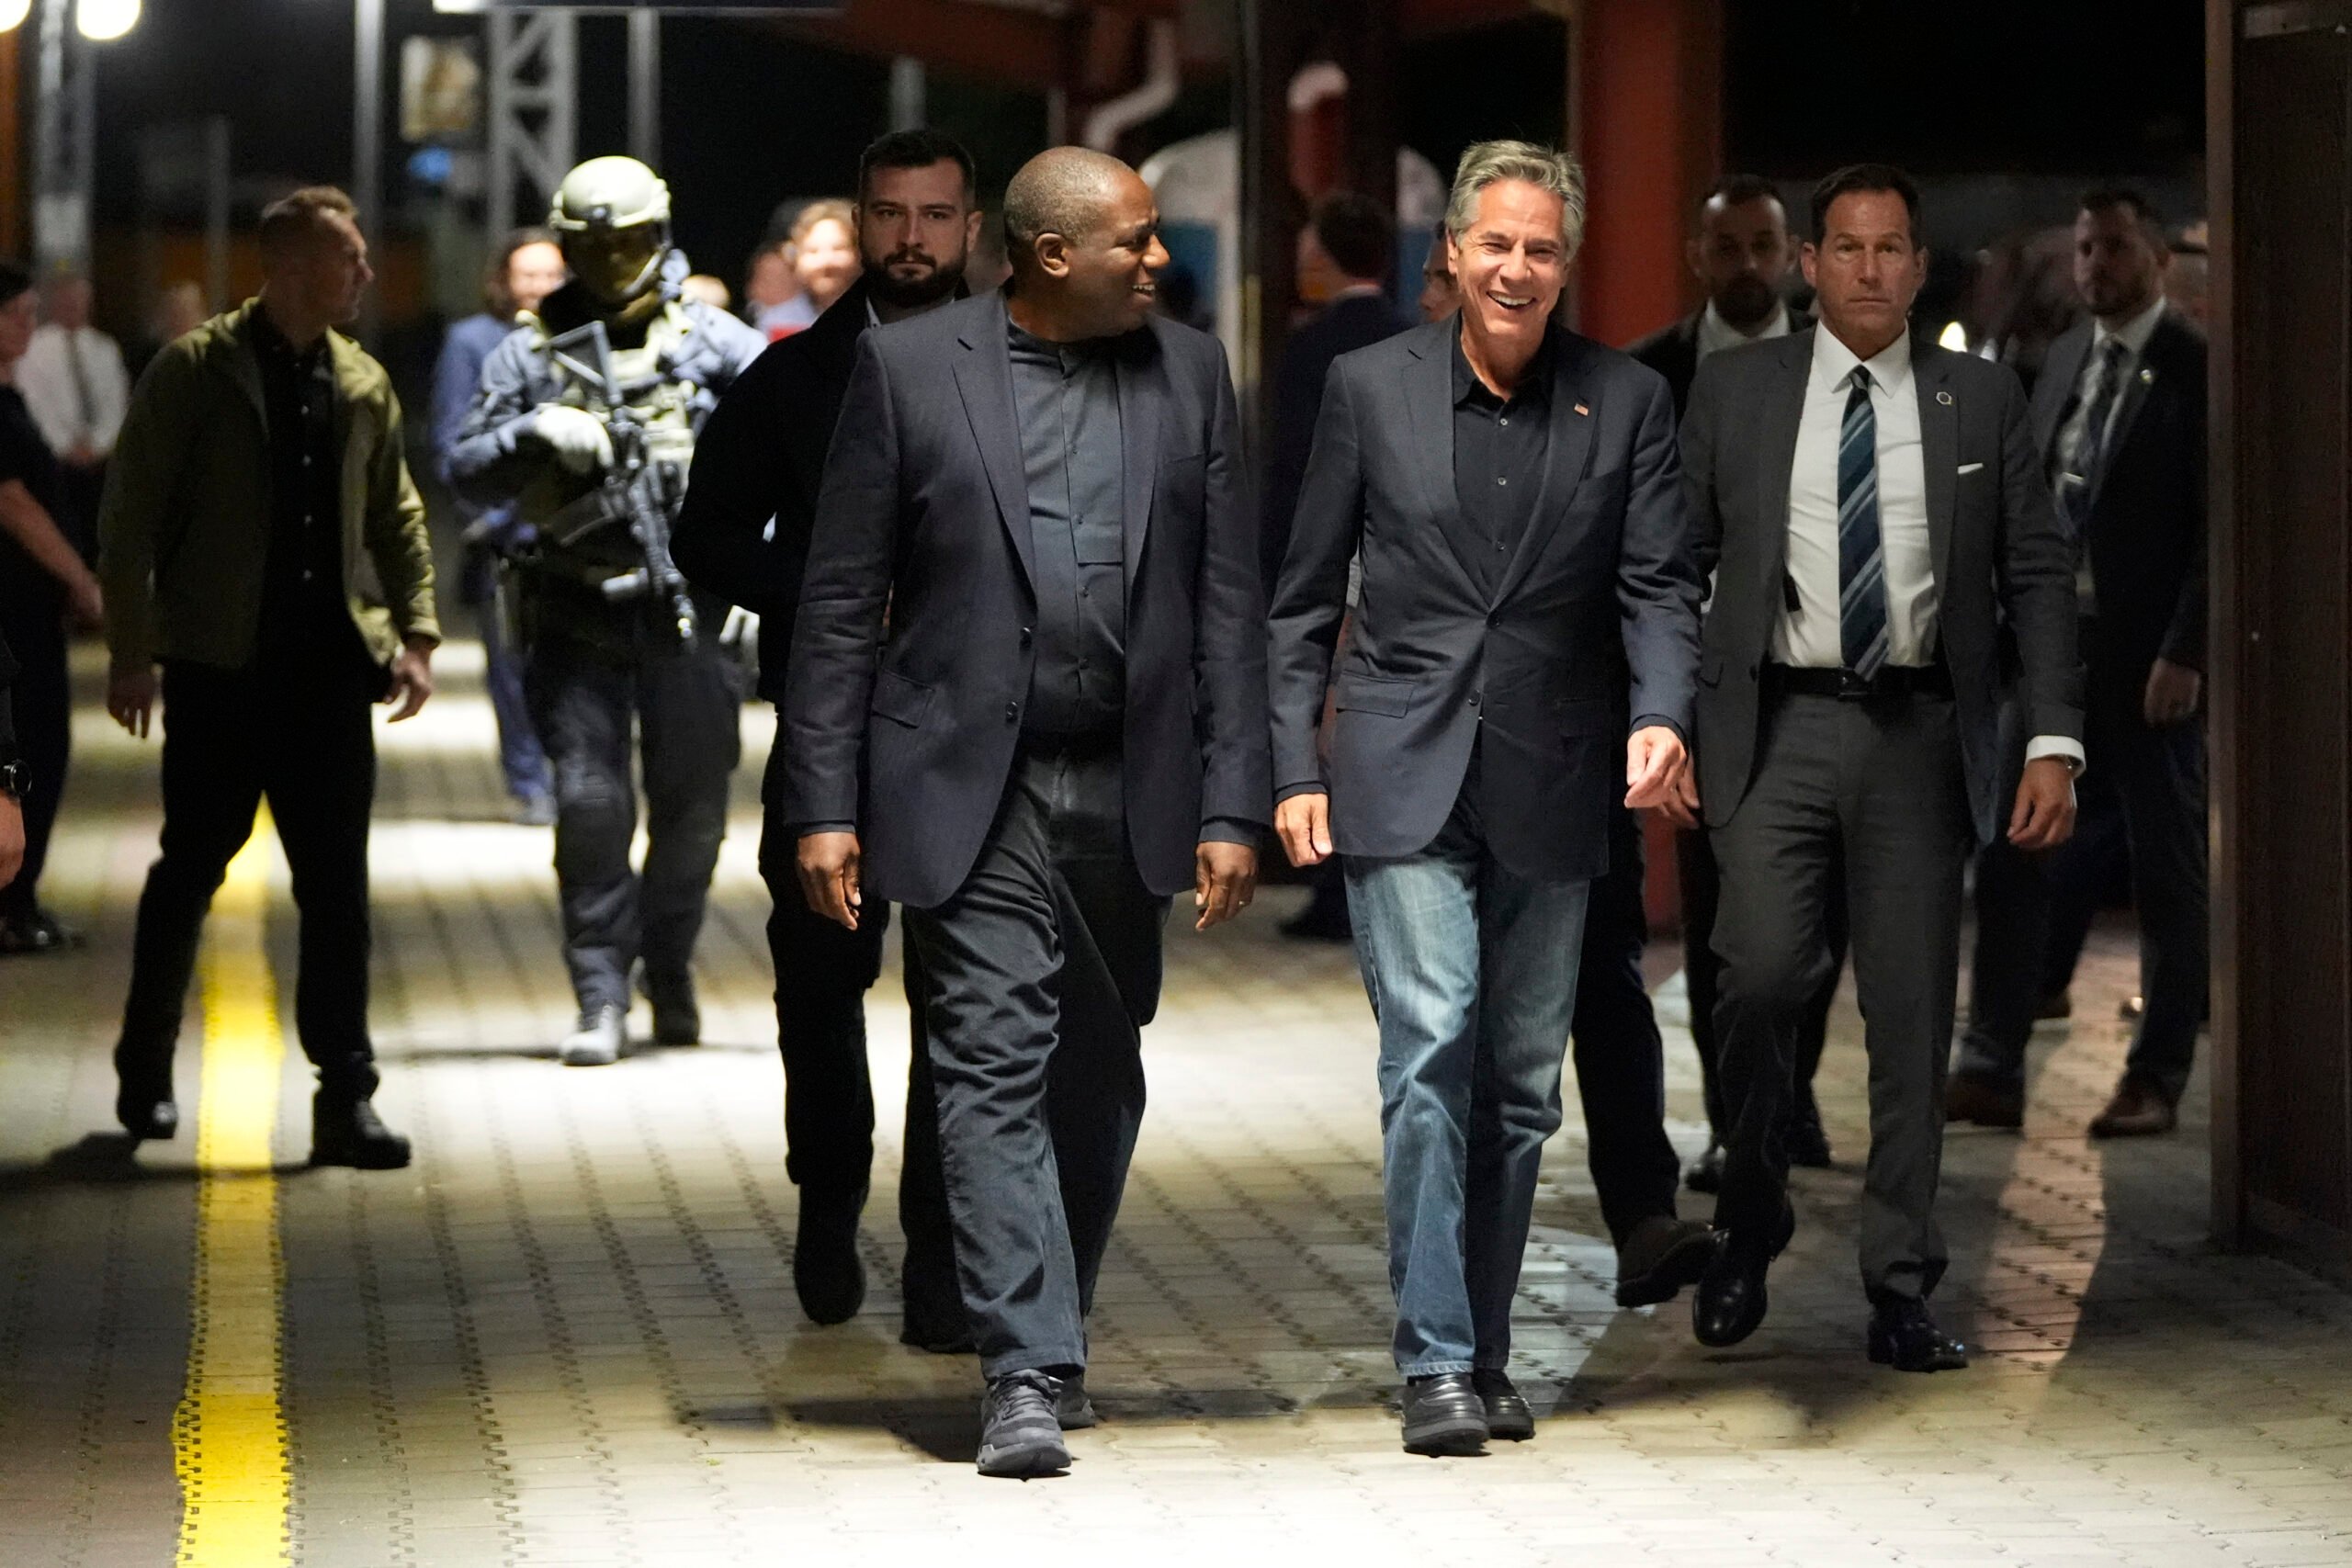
(15, 779)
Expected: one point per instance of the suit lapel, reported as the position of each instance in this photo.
(1428, 394)
(2064, 370)
(2140, 381)
(1782, 414)
(984, 381)
(1565, 454)
(1141, 400)
(1939, 449)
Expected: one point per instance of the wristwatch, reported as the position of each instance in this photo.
(15, 780)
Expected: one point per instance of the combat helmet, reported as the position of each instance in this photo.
(612, 216)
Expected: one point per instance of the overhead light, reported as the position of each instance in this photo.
(12, 14)
(1954, 337)
(103, 21)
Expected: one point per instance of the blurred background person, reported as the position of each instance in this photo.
(180, 307)
(74, 381)
(2120, 421)
(824, 253)
(1345, 252)
(1438, 297)
(773, 301)
(1741, 253)
(43, 581)
(525, 269)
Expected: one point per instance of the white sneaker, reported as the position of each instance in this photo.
(598, 1041)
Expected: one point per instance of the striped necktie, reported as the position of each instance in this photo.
(2077, 486)
(1861, 560)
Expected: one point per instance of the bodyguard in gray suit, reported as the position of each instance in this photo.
(1885, 552)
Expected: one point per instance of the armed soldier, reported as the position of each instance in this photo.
(586, 419)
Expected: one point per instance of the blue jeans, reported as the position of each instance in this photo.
(1472, 971)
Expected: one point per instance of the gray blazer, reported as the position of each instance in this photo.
(2004, 567)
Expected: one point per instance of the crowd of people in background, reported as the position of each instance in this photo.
(627, 471)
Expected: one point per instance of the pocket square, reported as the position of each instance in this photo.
(1969, 467)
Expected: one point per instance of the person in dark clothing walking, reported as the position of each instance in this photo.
(744, 534)
(43, 581)
(260, 538)
(12, 775)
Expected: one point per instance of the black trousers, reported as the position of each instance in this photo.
(1620, 1061)
(1038, 976)
(303, 739)
(822, 973)
(2034, 913)
(1870, 794)
(43, 701)
(598, 679)
(1701, 884)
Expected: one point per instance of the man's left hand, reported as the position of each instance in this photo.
(2173, 691)
(2044, 816)
(1654, 759)
(411, 679)
(12, 837)
(1225, 879)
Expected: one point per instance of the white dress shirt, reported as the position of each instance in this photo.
(1716, 335)
(46, 378)
(1810, 636)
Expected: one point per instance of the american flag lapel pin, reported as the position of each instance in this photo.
(1582, 410)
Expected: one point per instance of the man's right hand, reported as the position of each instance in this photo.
(829, 876)
(1680, 806)
(12, 837)
(1304, 824)
(130, 697)
(578, 438)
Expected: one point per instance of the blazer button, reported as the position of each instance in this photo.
(1012, 712)
(1028, 633)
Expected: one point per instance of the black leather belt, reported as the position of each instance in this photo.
(1892, 680)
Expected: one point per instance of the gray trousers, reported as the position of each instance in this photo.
(1873, 789)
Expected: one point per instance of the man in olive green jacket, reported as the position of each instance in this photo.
(261, 541)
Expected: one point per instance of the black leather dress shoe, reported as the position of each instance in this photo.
(1903, 1336)
(1731, 1300)
(826, 1271)
(146, 1112)
(677, 1016)
(1661, 1255)
(1706, 1173)
(1443, 1415)
(1508, 1417)
(347, 1132)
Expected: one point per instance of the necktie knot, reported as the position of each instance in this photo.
(1862, 380)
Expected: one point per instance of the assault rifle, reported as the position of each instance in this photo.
(636, 487)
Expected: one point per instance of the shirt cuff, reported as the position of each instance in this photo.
(2064, 747)
(802, 830)
(1657, 721)
(1312, 786)
(1232, 830)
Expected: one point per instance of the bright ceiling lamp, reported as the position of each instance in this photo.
(103, 21)
(12, 14)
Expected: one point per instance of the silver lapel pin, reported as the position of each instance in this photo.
(1944, 397)
(2148, 376)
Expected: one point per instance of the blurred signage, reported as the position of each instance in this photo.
(440, 89)
(671, 7)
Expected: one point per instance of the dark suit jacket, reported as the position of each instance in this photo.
(2004, 571)
(760, 455)
(1347, 325)
(2146, 527)
(925, 512)
(1433, 662)
(1673, 352)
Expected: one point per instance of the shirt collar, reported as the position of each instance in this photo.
(271, 341)
(1833, 362)
(2134, 334)
(1533, 387)
(1717, 331)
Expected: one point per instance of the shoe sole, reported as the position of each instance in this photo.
(1456, 1437)
(589, 1058)
(1682, 1265)
(1511, 1430)
(356, 1162)
(1025, 1462)
(1881, 1356)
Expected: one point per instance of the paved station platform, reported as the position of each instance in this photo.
(567, 1336)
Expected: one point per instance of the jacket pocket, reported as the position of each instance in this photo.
(1384, 694)
(899, 700)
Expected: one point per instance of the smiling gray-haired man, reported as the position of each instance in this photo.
(1527, 599)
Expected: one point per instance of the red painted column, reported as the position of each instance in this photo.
(1646, 118)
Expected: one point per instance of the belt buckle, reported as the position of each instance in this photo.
(1853, 688)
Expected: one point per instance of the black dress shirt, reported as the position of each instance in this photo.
(1498, 449)
(1065, 400)
(303, 617)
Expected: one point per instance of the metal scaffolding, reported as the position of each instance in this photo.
(534, 115)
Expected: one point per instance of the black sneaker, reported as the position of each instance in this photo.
(677, 1016)
(1021, 1437)
(348, 1132)
(1072, 1408)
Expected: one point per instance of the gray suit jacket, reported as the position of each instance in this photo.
(2004, 569)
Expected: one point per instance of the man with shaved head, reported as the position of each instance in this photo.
(1064, 727)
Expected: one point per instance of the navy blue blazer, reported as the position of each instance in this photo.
(909, 730)
(1602, 585)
